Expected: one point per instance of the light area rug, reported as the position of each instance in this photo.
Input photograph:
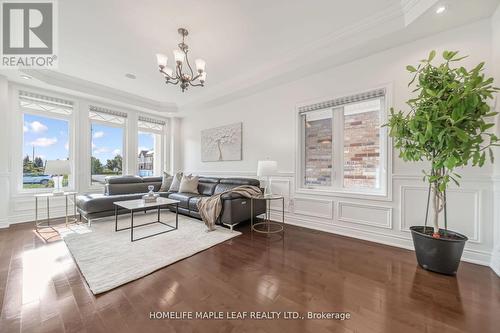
(108, 259)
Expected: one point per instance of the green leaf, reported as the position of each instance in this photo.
(487, 126)
(430, 92)
(431, 56)
(411, 69)
(450, 162)
(461, 134)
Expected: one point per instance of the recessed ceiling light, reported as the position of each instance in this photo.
(440, 10)
(130, 76)
(26, 77)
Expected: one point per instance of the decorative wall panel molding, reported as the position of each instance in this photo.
(370, 215)
(463, 210)
(314, 207)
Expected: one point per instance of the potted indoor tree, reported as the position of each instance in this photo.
(448, 126)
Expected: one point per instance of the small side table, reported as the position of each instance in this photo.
(268, 226)
(67, 196)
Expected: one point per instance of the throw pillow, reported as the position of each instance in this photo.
(189, 184)
(176, 182)
(166, 182)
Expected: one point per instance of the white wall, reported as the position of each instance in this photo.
(269, 132)
(495, 25)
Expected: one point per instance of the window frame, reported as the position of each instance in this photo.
(163, 142)
(123, 126)
(17, 161)
(160, 152)
(337, 187)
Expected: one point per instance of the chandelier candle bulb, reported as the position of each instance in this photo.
(203, 77)
(162, 60)
(200, 65)
(179, 56)
(168, 71)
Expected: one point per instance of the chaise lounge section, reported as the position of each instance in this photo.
(235, 208)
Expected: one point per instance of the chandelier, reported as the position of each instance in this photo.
(183, 72)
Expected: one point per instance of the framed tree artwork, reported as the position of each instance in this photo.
(221, 143)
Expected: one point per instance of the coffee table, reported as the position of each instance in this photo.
(141, 205)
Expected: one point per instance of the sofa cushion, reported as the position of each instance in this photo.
(183, 198)
(166, 182)
(227, 184)
(224, 187)
(240, 181)
(123, 179)
(152, 179)
(92, 203)
(212, 180)
(206, 185)
(119, 189)
(189, 184)
(193, 202)
(206, 188)
(176, 182)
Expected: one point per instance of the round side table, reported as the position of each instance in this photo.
(267, 226)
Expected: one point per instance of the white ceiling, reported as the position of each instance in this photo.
(246, 43)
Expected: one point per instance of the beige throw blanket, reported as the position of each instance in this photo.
(210, 208)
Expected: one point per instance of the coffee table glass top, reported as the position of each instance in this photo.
(139, 203)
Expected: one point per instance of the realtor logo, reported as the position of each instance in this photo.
(28, 31)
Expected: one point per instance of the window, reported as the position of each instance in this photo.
(362, 144)
(343, 143)
(107, 142)
(149, 146)
(318, 137)
(46, 136)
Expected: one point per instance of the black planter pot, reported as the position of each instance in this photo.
(441, 255)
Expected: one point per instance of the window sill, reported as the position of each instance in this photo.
(380, 196)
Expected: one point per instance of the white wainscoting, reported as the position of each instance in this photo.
(370, 215)
(470, 211)
(313, 207)
(463, 210)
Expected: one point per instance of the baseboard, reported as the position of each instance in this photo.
(495, 261)
(30, 217)
(473, 256)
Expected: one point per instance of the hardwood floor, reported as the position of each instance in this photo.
(42, 290)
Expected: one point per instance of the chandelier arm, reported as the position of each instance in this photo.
(196, 85)
(172, 82)
(178, 70)
(187, 62)
(168, 76)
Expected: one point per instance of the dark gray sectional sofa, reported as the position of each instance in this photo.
(235, 208)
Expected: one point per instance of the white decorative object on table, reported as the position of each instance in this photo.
(151, 196)
(267, 169)
(57, 169)
(221, 143)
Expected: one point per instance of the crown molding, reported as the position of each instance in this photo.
(96, 89)
(413, 9)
